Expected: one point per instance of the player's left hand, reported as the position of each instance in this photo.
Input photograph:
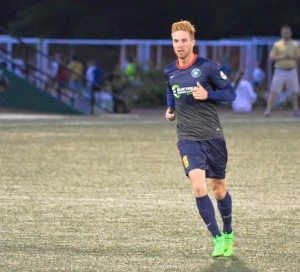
(199, 93)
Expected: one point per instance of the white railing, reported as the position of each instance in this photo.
(247, 54)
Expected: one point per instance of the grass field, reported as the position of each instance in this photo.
(109, 194)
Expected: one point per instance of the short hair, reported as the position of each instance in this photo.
(184, 26)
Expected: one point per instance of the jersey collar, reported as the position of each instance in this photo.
(188, 65)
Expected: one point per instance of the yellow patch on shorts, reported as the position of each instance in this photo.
(185, 161)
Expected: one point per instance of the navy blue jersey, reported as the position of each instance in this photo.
(197, 119)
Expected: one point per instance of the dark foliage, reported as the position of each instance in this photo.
(146, 19)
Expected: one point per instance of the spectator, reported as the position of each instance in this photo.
(62, 74)
(89, 78)
(258, 76)
(98, 76)
(76, 70)
(94, 78)
(54, 65)
(130, 70)
(62, 77)
(52, 71)
(285, 53)
(245, 97)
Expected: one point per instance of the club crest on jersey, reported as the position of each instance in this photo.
(196, 72)
(223, 75)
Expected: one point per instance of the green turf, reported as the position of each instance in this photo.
(92, 195)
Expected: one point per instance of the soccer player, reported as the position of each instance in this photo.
(194, 86)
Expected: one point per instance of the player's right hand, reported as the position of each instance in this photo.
(170, 114)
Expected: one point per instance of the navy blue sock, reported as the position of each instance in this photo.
(225, 208)
(207, 212)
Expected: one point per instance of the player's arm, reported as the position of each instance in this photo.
(223, 90)
(170, 114)
(224, 94)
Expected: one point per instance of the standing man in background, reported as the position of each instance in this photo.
(285, 53)
(194, 85)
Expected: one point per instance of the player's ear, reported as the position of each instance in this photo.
(193, 42)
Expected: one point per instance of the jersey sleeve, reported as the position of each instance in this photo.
(170, 99)
(222, 88)
(217, 77)
(170, 95)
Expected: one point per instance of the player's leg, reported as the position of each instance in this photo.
(216, 152)
(224, 204)
(194, 163)
(206, 209)
(204, 204)
(276, 87)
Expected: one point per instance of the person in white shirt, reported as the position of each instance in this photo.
(245, 97)
(89, 76)
(54, 65)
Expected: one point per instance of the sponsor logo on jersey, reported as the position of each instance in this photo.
(223, 75)
(178, 91)
(196, 72)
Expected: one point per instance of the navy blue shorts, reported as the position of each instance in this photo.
(209, 155)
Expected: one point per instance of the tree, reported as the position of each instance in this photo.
(146, 19)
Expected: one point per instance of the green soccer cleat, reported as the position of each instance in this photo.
(219, 246)
(228, 241)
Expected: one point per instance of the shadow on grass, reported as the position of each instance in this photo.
(233, 264)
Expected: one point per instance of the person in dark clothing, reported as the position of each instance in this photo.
(194, 86)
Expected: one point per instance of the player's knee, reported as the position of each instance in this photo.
(197, 178)
(219, 194)
(219, 189)
(199, 190)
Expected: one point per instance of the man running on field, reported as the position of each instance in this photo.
(195, 85)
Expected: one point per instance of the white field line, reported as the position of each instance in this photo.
(60, 120)
(114, 201)
(137, 199)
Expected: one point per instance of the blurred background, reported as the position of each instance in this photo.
(93, 57)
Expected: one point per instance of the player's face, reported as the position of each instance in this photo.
(183, 44)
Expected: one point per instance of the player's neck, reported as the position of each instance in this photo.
(187, 61)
